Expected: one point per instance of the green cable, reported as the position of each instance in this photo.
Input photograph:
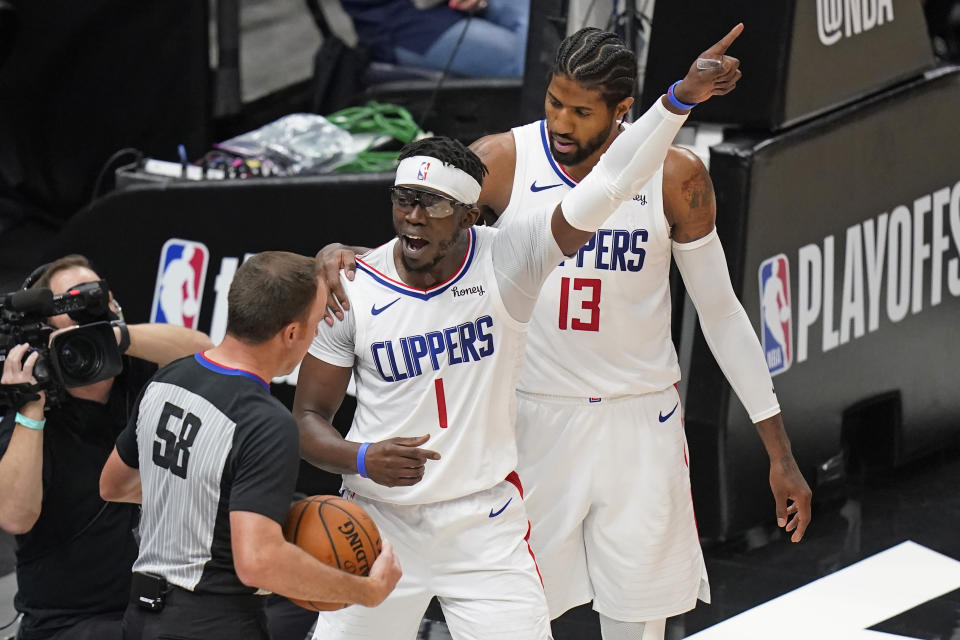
(371, 162)
(380, 119)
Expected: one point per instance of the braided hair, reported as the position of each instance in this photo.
(598, 60)
(448, 151)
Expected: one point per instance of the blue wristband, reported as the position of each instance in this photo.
(30, 423)
(362, 459)
(672, 99)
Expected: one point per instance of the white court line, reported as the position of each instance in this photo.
(842, 605)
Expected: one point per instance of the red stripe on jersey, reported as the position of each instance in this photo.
(466, 257)
(526, 539)
(514, 479)
(567, 173)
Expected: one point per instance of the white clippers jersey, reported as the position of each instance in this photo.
(422, 364)
(601, 326)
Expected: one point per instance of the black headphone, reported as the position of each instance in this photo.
(35, 275)
(38, 273)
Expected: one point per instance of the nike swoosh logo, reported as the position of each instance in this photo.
(494, 514)
(664, 418)
(376, 312)
(535, 188)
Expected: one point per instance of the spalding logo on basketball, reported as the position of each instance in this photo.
(337, 532)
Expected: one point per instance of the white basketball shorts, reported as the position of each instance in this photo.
(471, 553)
(608, 494)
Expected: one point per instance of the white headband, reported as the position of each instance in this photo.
(426, 171)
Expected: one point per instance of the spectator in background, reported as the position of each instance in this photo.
(492, 34)
(74, 551)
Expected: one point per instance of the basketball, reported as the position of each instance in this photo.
(338, 533)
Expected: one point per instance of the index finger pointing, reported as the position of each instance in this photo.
(421, 455)
(727, 40)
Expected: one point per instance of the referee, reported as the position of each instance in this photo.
(213, 457)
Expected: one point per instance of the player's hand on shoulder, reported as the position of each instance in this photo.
(398, 462)
(718, 78)
(384, 574)
(329, 262)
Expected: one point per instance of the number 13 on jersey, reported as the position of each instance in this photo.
(589, 302)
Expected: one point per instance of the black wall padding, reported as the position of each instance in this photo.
(124, 232)
(798, 57)
(871, 192)
(548, 27)
(85, 79)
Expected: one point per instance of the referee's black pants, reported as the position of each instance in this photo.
(198, 616)
(104, 626)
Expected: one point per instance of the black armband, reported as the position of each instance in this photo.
(124, 335)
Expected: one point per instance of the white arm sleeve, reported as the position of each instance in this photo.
(335, 345)
(523, 257)
(623, 168)
(725, 324)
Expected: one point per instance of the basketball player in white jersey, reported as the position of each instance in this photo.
(602, 450)
(435, 343)
(599, 425)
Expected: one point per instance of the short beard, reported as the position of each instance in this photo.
(582, 152)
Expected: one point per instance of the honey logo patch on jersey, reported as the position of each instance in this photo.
(459, 292)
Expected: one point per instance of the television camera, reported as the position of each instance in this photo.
(74, 358)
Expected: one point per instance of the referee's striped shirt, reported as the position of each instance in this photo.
(208, 440)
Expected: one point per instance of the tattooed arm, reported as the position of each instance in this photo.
(688, 200)
(691, 211)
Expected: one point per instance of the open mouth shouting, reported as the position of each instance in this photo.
(413, 245)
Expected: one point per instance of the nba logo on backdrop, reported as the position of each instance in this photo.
(180, 277)
(777, 333)
(422, 173)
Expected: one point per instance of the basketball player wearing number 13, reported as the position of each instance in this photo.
(599, 426)
(435, 341)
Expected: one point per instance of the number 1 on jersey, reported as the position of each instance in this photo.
(441, 402)
(592, 304)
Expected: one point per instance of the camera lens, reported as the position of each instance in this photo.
(80, 357)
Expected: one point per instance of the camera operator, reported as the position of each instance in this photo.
(75, 551)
